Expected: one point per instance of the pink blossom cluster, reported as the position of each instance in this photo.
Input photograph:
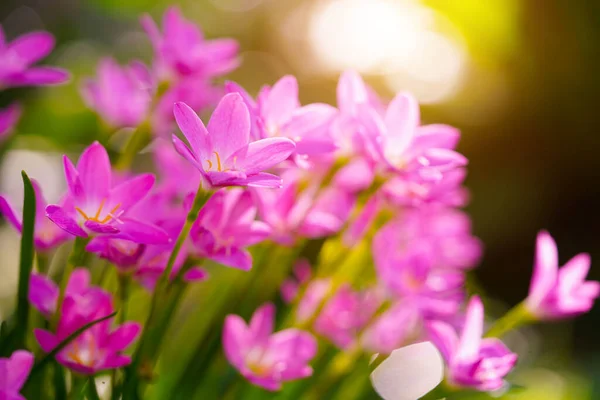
(377, 188)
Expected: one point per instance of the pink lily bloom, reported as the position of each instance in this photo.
(345, 315)
(14, 371)
(181, 49)
(296, 211)
(99, 347)
(225, 226)
(277, 113)
(120, 95)
(47, 235)
(401, 145)
(96, 207)
(559, 293)
(9, 117)
(472, 362)
(222, 152)
(267, 359)
(18, 56)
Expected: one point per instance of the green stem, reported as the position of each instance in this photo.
(75, 259)
(43, 262)
(514, 318)
(138, 140)
(161, 306)
(123, 289)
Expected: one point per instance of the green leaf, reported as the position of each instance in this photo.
(39, 366)
(26, 264)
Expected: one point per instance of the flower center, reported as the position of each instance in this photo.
(96, 217)
(85, 356)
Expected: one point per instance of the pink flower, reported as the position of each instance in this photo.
(264, 358)
(9, 117)
(47, 235)
(554, 293)
(17, 57)
(472, 362)
(120, 95)
(277, 113)
(225, 226)
(14, 372)
(345, 315)
(182, 50)
(97, 207)
(97, 348)
(290, 287)
(222, 152)
(176, 179)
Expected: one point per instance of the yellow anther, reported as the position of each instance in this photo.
(209, 164)
(218, 161)
(99, 209)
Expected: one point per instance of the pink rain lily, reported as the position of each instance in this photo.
(47, 235)
(277, 113)
(9, 117)
(14, 372)
(222, 152)
(267, 359)
(400, 144)
(182, 50)
(291, 286)
(559, 293)
(96, 207)
(345, 314)
(472, 362)
(97, 348)
(120, 95)
(298, 211)
(18, 56)
(225, 226)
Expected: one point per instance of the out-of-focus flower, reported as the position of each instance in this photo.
(47, 235)
(299, 211)
(398, 326)
(345, 314)
(95, 207)
(97, 348)
(225, 226)
(472, 362)
(43, 292)
(14, 372)
(17, 59)
(409, 373)
(222, 152)
(277, 113)
(9, 117)
(264, 358)
(563, 293)
(120, 95)
(182, 50)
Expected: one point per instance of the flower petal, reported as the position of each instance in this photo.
(58, 215)
(262, 322)
(124, 335)
(281, 101)
(351, 91)
(9, 214)
(130, 192)
(409, 373)
(401, 119)
(193, 129)
(32, 46)
(95, 172)
(470, 338)
(40, 76)
(98, 227)
(229, 126)
(141, 232)
(545, 270)
(263, 154)
(47, 341)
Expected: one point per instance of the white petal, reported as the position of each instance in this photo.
(409, 373)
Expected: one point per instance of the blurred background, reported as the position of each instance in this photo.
(519, 78)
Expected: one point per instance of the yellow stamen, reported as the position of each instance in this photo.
(100, 209)
(218, 161)
(209, 164)
(80, 211)
(110, 214)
